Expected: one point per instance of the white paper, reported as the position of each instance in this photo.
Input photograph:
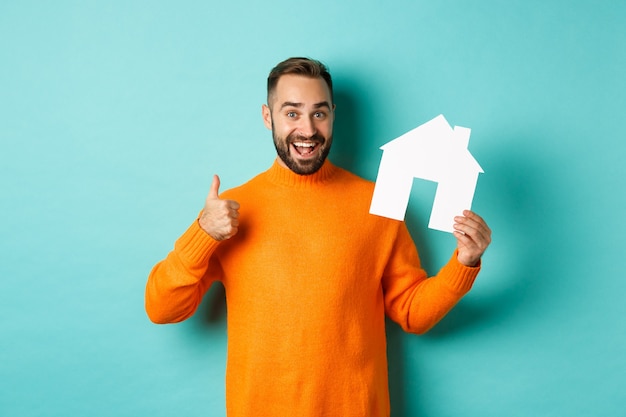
(435, 152)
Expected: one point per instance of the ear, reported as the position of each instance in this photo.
(334, 107)
(267, 116)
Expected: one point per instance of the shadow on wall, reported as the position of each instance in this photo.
(349, 128)
(212, 310)
(345, 131)
(521, 205)
(517, 199)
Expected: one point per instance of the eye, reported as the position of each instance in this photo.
(291, 114)
(320, 115)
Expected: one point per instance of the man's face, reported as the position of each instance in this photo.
(300, 115)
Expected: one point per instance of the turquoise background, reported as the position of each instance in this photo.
(115, 115)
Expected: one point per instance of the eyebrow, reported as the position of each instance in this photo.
(299, 105)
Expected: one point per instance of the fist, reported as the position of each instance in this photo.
(219, 218)
(473, 237)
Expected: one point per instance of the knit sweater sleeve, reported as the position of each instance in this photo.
(414, 300)
(177, 284)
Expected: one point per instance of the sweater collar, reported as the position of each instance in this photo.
(284, 176)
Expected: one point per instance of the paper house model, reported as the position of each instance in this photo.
(435, 152)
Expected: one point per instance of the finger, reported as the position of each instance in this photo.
(467, 226)
(462, 237)
(233, 205)
(471, 235)
(470, 218)
(215, 187)
(471, 215)
(474, 221)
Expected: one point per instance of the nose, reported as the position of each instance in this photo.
(307, 127)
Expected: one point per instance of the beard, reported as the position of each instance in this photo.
(306, 167)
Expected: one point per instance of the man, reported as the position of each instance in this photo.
(309, 274)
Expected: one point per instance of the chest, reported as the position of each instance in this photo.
(322, 247)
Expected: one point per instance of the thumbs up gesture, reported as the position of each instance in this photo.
(219, 217)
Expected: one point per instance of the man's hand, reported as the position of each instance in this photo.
(472, 236)
(219, 217)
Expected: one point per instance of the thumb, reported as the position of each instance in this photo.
(215, 187)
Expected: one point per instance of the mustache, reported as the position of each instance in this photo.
(316, 137)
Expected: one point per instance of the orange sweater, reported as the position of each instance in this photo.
(308, 280)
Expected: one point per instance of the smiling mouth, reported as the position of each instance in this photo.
(305, 148)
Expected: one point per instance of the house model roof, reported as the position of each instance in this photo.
(434, 150)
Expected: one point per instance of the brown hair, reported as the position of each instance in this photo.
(298, 66)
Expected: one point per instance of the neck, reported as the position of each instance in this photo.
(280, 174)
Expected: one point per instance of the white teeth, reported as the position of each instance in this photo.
(304, 144)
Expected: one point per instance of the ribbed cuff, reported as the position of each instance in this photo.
(459, 277)
(195, 246)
